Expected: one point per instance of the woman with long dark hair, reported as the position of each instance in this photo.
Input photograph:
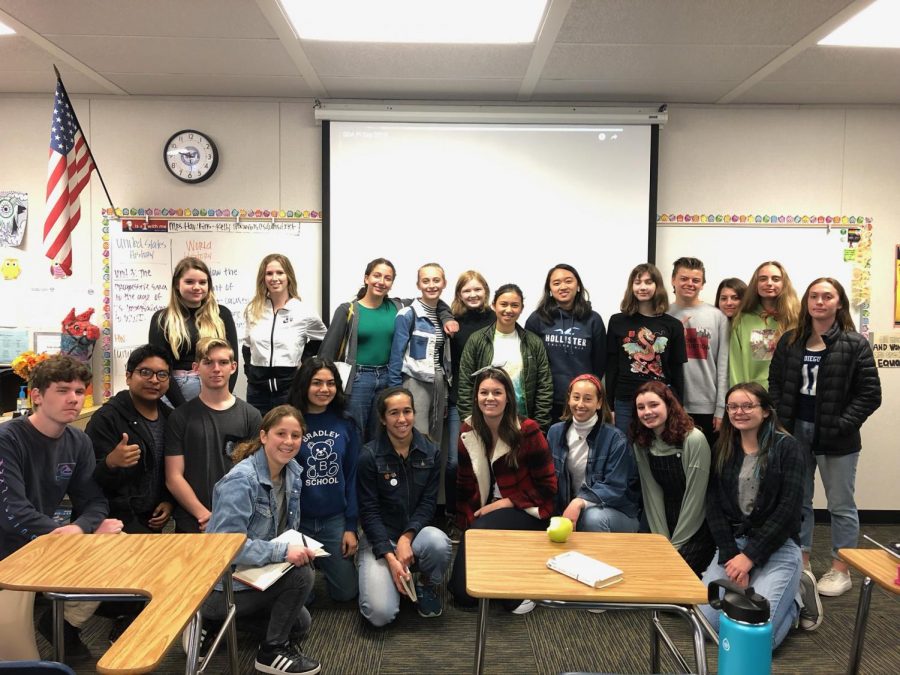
(329, 453)
(506, 479)
(192, 313)
(361, 334)
(825, 384)
(574, 335)
(397, 483)
(729, 295)
(279, 325)
(673, 460)
(753, 511)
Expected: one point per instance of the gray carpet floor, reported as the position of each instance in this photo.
(553, 641)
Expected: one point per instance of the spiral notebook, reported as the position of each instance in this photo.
(589, 571)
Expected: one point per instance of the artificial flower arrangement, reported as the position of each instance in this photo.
(25, 363)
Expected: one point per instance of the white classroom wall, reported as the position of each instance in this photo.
(840, 160)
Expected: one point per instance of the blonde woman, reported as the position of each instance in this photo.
(192, 313)
(768, 309)
(279, 326)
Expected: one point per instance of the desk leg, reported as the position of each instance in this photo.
(193, 644)
(232, 631)
(859, 633)
(481, 635)
(59, 640)
(654, 642)
(699, 644)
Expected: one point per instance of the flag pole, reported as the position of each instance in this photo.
(86, 144)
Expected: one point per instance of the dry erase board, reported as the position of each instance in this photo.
(144, 253)
(735, 251)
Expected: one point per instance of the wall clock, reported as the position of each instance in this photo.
(191, 156)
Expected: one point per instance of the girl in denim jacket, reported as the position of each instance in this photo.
(260, 497)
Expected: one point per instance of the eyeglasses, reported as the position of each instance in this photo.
(147, 373)
(743, 407)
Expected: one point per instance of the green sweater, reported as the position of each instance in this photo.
(695, 458)
(753, 340)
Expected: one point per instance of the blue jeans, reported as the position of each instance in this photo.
(838, 474)
(605, 519)
(368, 382)
(189, 383)
(379, 600)
(340, 572)
(778, 581)
(622, 409)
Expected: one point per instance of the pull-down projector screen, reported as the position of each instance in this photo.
(510, 201)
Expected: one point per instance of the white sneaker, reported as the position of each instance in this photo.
(834, 583)
(525, 607)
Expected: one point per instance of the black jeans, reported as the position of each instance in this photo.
(284, 600)
(501, 519)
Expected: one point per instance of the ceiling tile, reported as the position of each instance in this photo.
(688, 62)
(211, 85)
(732, 22)
(179, 55)
(196, 18)
(661, 90)
(422, 61)
(425, 88)
(842, 64)
(845, 93)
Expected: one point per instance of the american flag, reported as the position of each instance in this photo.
(68, 172)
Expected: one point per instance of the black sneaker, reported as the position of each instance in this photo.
(812, 613)
(72, 645)
(208, 630)
(284, 658)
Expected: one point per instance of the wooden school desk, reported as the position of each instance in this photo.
(507, 564)
(879, 567)
(176, 571)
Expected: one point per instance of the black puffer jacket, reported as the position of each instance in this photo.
(848, 389)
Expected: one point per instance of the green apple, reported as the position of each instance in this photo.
(560, 529)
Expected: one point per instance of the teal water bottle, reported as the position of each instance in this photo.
(745, 629)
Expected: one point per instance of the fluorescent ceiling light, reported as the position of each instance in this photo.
(417, 21)
(6, 30)
(875, 26)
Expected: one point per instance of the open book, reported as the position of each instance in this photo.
(261, 578)
(587, 570)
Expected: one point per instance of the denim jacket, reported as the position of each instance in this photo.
(412, 351)
(610, 477)
(396, 496)
(244, 502)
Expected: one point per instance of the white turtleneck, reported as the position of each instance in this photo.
(576, 462)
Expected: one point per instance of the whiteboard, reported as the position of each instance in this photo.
(736, 251)
(144, 253)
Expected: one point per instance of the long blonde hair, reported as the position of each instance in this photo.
(787, 305)
(273, 417)
(255, 307)
(458, 307)
(172, 321)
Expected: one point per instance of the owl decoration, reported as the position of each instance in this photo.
(11, 269)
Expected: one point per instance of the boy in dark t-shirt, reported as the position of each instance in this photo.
(201, 435)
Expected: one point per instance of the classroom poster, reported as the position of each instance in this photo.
(886, 349)
(13, 217)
